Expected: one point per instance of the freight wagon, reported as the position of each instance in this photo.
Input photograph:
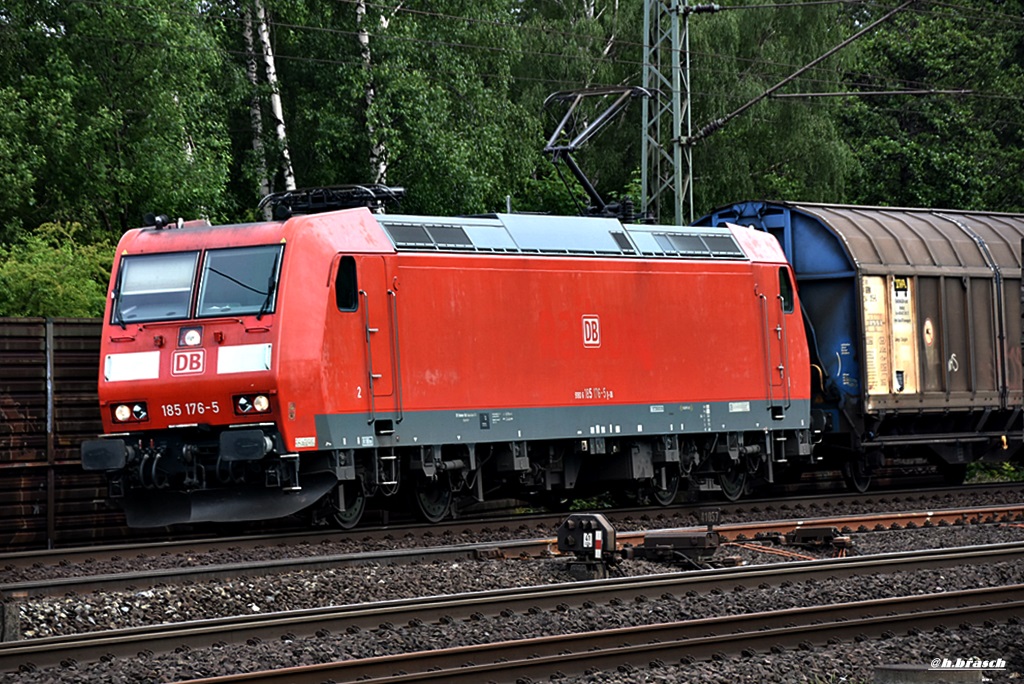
(914, 322)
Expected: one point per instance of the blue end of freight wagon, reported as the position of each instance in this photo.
(827, 282)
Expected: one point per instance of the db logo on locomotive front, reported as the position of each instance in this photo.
(191, 362)
(591, 331)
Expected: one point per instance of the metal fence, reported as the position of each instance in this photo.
(48, 405)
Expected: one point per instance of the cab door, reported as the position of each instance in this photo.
(360, 358)
(777, 307)
(376, 300)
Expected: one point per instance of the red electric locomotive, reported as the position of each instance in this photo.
(254, 371)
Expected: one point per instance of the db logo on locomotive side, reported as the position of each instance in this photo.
(191, 362)
(591, 331)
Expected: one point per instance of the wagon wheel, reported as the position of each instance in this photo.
(666, 496)
(433, 498)
(953, 473)
(733, 482)
(857, 475)
(355, 504)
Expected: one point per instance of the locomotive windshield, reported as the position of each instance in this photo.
(239, 281)
(159, 287)
(154, 287)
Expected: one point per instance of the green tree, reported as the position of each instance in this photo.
(441, 110)
(51, 273)
(779, 148)
(20, 162)
(118, 112)
(942, 150)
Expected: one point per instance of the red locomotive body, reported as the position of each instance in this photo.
(253, 371)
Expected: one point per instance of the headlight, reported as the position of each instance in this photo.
(251, 403)
(136, 412)
(190, 337)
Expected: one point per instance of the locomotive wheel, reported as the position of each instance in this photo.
(557, 502)
(433, 499)
(857, 475)
(666, 496)
(349, 517)
(733, 482)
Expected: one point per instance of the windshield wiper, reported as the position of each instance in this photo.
(118, 317)
(271, 287)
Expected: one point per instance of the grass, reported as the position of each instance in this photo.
(994, 472)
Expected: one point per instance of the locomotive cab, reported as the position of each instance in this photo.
(190, 395)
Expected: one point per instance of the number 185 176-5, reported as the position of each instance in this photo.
(189, 408)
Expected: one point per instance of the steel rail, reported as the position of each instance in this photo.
(199, 573)
(533, 547)
(638, 646)
(876, 522)
(49, 651)
(539, 523)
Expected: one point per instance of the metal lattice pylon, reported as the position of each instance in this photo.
(667, 174)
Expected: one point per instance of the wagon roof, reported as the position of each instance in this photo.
(924, 237)
(887, 239)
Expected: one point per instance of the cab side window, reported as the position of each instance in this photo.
(346, 291)
(785, 290)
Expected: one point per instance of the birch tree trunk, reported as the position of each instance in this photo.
(378, 153)
(275, 95)
(255, 117)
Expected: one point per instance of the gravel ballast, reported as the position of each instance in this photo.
(373, 583)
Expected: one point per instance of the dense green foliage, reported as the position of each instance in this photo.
(785, 148)
(50, 273)
(109, 110)
(959, 151)
(994, 472)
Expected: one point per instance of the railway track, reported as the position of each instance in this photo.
(301, 558)
(506, 526)
(200, 573)
(126, 643)
(644, 646)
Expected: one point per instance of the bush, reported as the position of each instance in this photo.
(995, 472)
(48, 273)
